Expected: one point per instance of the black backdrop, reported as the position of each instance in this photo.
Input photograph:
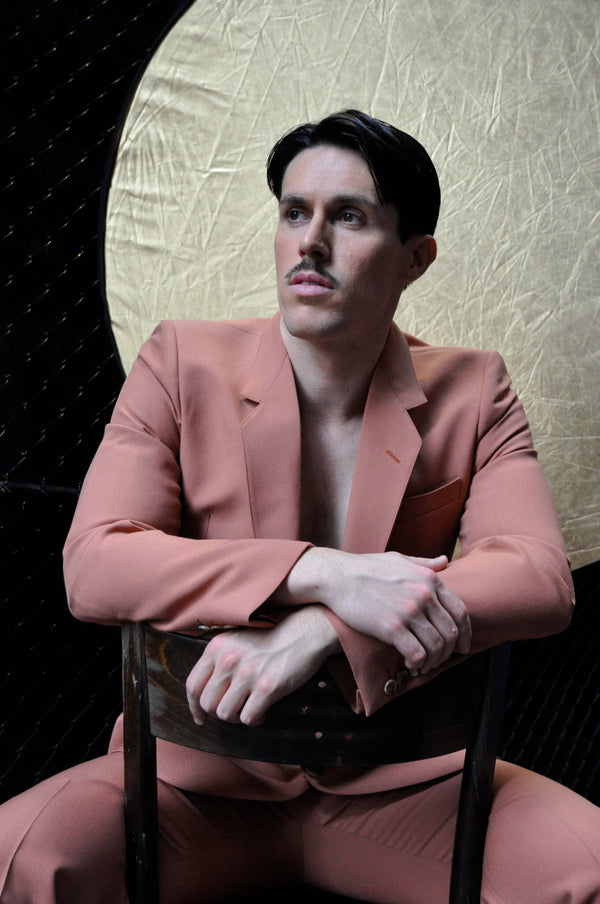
(70, 66)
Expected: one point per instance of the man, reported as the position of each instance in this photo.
(303, 480)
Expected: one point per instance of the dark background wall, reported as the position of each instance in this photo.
(70, 67)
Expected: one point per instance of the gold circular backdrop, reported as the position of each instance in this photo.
(504, 97)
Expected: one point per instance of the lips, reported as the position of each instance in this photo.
(310, 279)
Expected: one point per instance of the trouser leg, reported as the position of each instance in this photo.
(63, 842)
(223, 850)
(392, 847)
(543, 843)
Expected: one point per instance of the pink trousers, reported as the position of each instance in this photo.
(63, 841)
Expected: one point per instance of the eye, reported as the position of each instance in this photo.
(293, 215)
(351, 218)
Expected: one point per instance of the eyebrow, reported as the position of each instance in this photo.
(349, 200)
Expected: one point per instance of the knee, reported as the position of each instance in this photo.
(63, 841)
(543, 842)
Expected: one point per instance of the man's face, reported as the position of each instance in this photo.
(339, 260)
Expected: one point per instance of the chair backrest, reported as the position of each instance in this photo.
(314, 727)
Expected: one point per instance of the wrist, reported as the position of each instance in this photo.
(317, 628)
(312, 579)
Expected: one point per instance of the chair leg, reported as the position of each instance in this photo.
(477, 782)
(140, 772)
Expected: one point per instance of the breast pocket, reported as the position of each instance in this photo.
(427, 524)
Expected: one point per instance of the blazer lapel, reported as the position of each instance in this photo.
(272, 442)
(388, 448)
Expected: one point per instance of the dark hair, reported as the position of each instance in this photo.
(402, 170)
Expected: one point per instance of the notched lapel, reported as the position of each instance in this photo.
(271, 437)
(388, 448)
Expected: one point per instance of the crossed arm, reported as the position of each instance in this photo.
(400, 600)
(141, 549)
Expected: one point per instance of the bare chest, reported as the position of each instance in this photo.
(328, 459)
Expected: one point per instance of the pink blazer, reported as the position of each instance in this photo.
(190, 512)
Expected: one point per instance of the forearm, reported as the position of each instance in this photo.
(514, 588)
(242, 673)
(400, 600)
(120, 572)
(311, 579)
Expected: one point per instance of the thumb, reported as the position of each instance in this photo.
(438, 563)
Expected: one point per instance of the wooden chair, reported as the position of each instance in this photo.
(314, 728)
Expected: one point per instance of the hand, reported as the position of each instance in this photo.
(398, 599)
(243, 672)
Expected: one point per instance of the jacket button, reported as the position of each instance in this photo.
(390, 687)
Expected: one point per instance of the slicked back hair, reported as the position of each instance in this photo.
(402, 170)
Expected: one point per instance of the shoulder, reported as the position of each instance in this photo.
(455, 365)
(187, 336)
(424, 354)
(189, 360)
(190, 345)
(467, 384)
(464, 382)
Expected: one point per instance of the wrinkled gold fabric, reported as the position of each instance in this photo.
(506, 99)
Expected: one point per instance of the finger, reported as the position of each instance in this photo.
(434, 643)
(198, 714)
(439, 636)
(264, 694)
(194, 686)
(254, 710)
(459, 614)
(231, 703)
(437, 563)
(434, 633)
(214, 690)
(410, 648)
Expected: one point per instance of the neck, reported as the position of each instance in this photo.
(331, 381)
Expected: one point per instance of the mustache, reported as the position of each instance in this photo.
(314, 266)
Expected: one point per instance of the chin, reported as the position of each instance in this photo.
(311, 323)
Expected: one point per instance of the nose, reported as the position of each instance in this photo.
(314, 240)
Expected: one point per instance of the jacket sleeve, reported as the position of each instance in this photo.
(125, 557)
(512, 573)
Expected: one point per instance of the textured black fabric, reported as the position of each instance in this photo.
(68, 68)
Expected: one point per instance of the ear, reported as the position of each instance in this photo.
(424, 252)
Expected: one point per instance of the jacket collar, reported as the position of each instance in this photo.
(271, 362)
(395, 361)
(388, 447)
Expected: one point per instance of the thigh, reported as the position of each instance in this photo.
(63, 842)
(542, 847)
(393, 847)
(543, 842)
(222, 849)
